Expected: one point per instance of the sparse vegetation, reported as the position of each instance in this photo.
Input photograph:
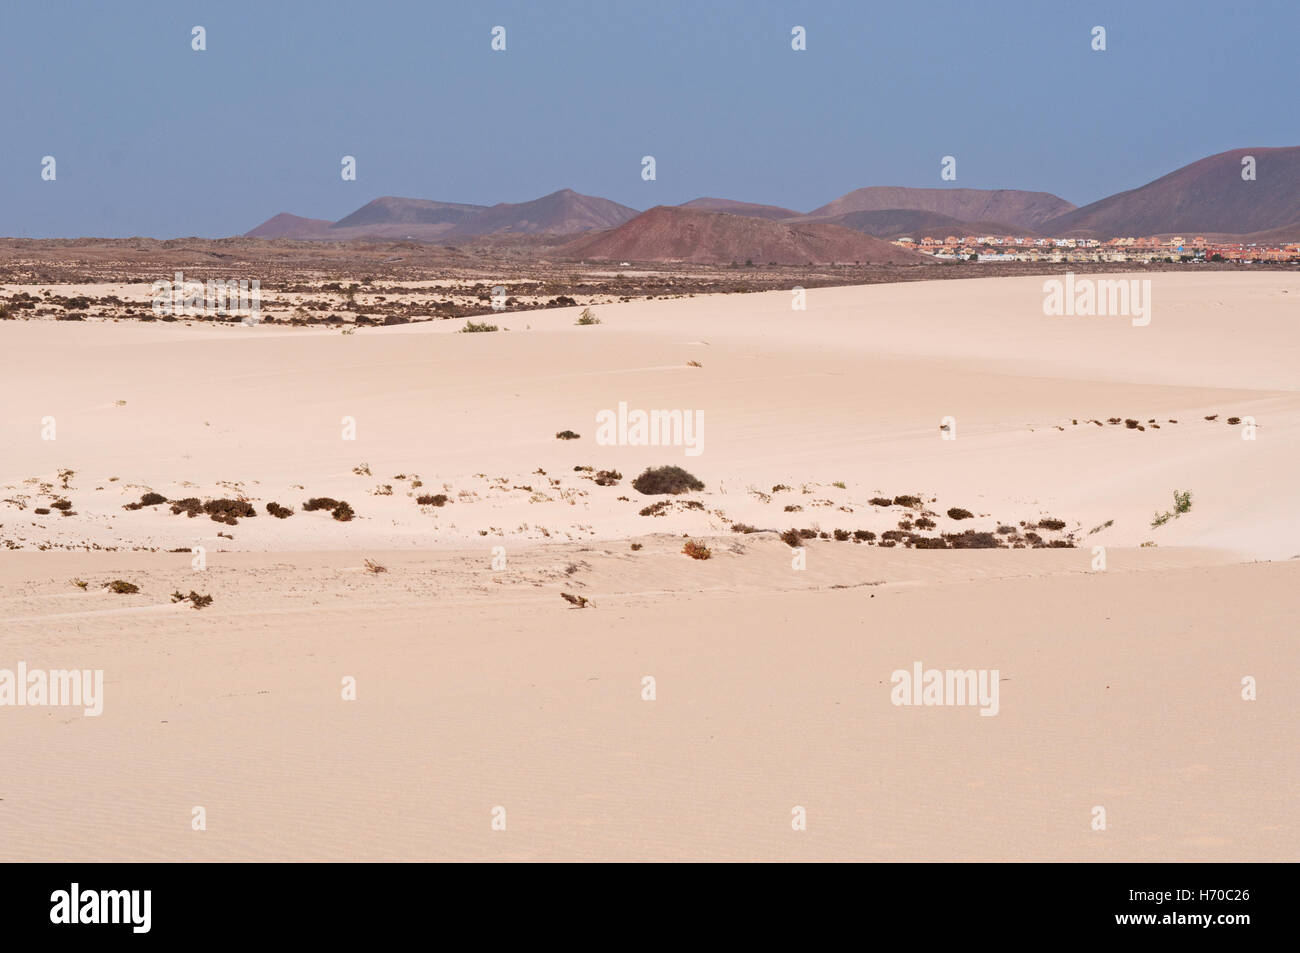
(121, 587)
(374, 567)
(278, 511)
(914, 502)
(587, 318)
(696, 550)
(1182, 504)
(567, 435)
(580, 602)
(478, 327)
(196, 601)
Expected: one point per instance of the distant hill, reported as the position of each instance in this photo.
(391, 210)
(1206, 196)
(1012, 206)
(285, 225)
(672, 233)
(914, 223)
(774, 212)
(561, 212)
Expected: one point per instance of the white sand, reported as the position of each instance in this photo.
(479, 688)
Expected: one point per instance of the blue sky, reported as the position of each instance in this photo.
(152, 138)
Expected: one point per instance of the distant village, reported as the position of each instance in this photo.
(1012, 248)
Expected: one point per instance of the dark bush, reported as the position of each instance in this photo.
(437, 499)
(957, 513)
(278, 511)
(152, 499)
(656, 480)
(842, 535)
(928, 542)
(1052, 524)
(567, 435)
(343, 512)
(971, 540)
(608, 478)
(912, 501)
(320, 503)
(864, 534)
(881, 501)
(924, 522)
(792, 538)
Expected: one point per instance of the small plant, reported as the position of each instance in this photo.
(362, 469)
(42, 511)
(587, 318)
(1160, 519)
(840, 484)
(152, 499)
(437, 499)
(656, 480)
(743, 528)
(914, 502)
(608, 478)
(567, 435)
(957, 513)
(792, 538)
(196, 601)
(694, 364)
(843, 535)
(478, 327)
(881, 501)
(374, 567)
(1052, 524)
(320, 503)
(80, 584)
(636, 547)
(793, 508)
(122, 587)
(278, 511)
(62, 504)
(1182, 502)
(696, 550)
(343, 513)
(580, 601)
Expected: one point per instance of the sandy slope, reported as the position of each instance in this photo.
(481, 687)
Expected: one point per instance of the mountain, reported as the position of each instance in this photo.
(673, 233)
(560, 212)
(391, 210)
(774, 212)
(913, 223)
(1207, 196)
(1016, 208)
(285, 225)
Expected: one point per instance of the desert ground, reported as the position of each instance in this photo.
(1034, 452)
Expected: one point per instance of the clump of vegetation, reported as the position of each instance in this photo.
(792, 538)
(863, 535)
(228, 511)
(696, 550)
(1052, 524)
(374, 567)
(320, 503)
(910, 501)
(478, 327)
(843, 535)
(881, 501)
(1182, 504)
(362, 469)
(927, 542)
(580, 601)
(608, 478)
(42, 511)
(656, 480)
(587, 317)
(840, 484)
(122, 587)
(197, 601)
(343, 513)
(971, 540)
(779, 487)
(636, 547)
(655, 509)
(278, 511)
(436, 499)
(191, 506)
(694, 364)
(64, 505)
(152, 499)
(924, 522)
(793, 508)
(1234, 421)
(743, 528)
(567, 435)
(79, 583)
(957, 513)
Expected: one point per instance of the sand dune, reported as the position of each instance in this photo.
(481, 687)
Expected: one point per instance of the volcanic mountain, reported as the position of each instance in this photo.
(672, 233)
(285, 225)
(559, 213)
(774, 212)
(1208, 196)
(1020, 210)
(913, 223)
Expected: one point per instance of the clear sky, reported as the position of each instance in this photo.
(152, 138)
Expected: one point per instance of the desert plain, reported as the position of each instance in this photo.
(494, 719)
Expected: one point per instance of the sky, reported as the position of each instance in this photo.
(153, 138)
